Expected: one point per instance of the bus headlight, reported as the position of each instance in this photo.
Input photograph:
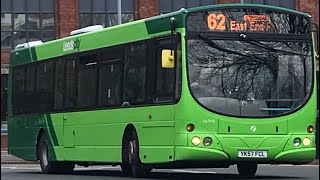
(306, 141)
(296, 142)
(207, 141)
(196, 141)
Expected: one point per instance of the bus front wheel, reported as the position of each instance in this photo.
(131, 161)
(48, 166)
(247, 170)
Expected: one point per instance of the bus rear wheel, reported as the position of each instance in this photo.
(247, 169)
(51, 167)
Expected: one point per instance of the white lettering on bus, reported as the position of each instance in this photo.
(67, 46)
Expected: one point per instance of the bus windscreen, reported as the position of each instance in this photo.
(249, 62)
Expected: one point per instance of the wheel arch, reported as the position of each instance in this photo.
(128, 130)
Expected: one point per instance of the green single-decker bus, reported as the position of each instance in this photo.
(205, 87)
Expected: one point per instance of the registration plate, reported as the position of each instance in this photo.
(253, 154)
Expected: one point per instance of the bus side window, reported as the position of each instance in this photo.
(18, 89)
(110, 84)
(110, 76)
(135, 73)
(30, 92)
(87, 75)
(59, 84)
(44, 86)
(70, 93)
(164, 77)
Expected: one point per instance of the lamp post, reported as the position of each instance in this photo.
(119, 12)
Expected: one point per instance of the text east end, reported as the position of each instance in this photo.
(250, 26)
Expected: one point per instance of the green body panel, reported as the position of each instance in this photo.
(96, 135)
(94, 40)
(20, 56)
(27, 129)
(200, 154)
(162, 23)
(297, 155)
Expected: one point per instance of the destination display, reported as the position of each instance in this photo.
(248, 20)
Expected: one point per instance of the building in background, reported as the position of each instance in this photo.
(29, 20)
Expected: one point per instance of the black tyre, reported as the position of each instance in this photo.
(50, 167)
(126, 169)
(131, 163)
(247, 170)
(147, 169)
(125, 166)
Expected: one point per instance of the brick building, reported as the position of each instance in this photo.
(28, 20)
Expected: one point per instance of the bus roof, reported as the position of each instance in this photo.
(122, 33)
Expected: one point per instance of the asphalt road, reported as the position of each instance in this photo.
(33, 172)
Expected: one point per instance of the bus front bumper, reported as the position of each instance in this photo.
(296, 156)
(293, 156)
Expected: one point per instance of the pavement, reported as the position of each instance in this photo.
(9, 159)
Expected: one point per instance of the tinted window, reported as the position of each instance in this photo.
(30, 93)
(110, 76)
(112, 54)
(70, 93)
(110, 84)
(44, 76)
(59, 84)
(135, 72)
(165, 77)
(87, 81)
(18, 89)
(44, 100)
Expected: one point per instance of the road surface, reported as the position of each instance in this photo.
(272, 172)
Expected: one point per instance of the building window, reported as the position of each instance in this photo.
(166, 6)
(104, 12)
(26, 20)
(281, 3)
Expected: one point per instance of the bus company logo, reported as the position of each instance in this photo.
(71, 45)
(253, 128)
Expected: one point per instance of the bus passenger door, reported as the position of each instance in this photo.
(157, 132)
(65, 95)
(69, 101)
